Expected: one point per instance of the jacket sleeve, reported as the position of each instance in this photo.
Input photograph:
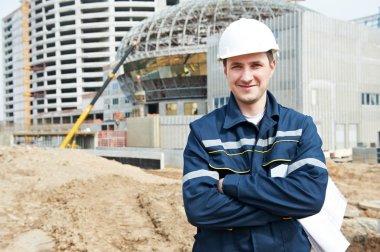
(205, 206)
(300, 194)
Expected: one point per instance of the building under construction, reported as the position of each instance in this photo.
(326, 68)
(55, 51)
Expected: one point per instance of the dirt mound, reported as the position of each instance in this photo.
(69, 200)
(87, 203)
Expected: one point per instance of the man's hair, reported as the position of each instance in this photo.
(268, 53)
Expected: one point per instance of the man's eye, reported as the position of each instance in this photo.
(255, 66)
(235, 67)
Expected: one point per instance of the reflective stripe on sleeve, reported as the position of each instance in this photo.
(302, 162)
(200, 173)
(279, 171)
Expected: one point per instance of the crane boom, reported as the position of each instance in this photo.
(88, 109)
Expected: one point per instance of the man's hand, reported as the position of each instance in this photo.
(220, 185)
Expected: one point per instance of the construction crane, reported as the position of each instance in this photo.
(66, 142)
(25, 7)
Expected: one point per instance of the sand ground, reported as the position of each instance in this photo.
(68, 200)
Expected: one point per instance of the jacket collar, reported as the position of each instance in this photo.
(234, 115)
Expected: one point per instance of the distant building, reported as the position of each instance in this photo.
(70, 43)
(117, 104)
(371, 21)
(12, 67)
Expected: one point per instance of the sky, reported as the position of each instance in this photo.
(339, 9)
(344, 9)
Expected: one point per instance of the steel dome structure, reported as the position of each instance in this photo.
(184, 28)
(171, 57)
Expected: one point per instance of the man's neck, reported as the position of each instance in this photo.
(254, 109)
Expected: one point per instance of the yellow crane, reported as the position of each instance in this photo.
(66, 142)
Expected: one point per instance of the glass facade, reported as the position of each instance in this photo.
(170, 77)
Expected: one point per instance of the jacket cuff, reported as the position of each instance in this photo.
(230, 185)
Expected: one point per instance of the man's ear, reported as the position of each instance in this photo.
(225, 70)
(273, 64)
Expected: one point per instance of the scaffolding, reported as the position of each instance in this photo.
(26, 64)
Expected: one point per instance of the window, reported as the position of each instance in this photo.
(171, 2)
(68, 71)
(122, 29)
(68, 81)
(370, 99)
(142, 9)
(65, 52)
(191, 108)
(94, 30)
(51, 73)
(122, 18)
(65, 23)
(220, 102)
(67, 3)
(67, 13)
(66, 100)
(69, 61)
(115, 101)
(51, 35)
(53, 91)
(92, 70)
(69, 90)
(66, 33)
(68, 42)
(94, 10)
(171, 109)
(115, 86)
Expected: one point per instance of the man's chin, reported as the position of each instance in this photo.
(247, 100)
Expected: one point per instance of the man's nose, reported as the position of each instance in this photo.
(247, 76)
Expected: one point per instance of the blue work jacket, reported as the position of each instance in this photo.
(273, 175)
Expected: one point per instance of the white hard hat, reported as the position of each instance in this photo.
(246, 36)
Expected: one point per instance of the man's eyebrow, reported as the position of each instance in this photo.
(251, 62)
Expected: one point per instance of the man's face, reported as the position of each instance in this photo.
(248, 77)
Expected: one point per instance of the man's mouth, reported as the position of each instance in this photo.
(247, 86)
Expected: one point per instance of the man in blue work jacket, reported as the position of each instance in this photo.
(252, 167)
